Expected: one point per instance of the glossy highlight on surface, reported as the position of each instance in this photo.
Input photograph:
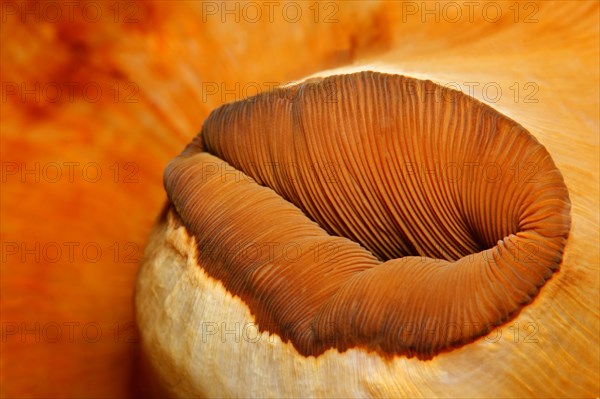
(372, 210)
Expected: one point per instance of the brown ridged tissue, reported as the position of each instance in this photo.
(368, 211)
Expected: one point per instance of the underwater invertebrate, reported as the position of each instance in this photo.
(436, 217)
(543, 56)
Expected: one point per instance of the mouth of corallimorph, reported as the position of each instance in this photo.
(372, 210)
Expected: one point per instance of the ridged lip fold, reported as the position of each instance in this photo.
(372, 210)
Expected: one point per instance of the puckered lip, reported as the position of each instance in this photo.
(387, 202)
